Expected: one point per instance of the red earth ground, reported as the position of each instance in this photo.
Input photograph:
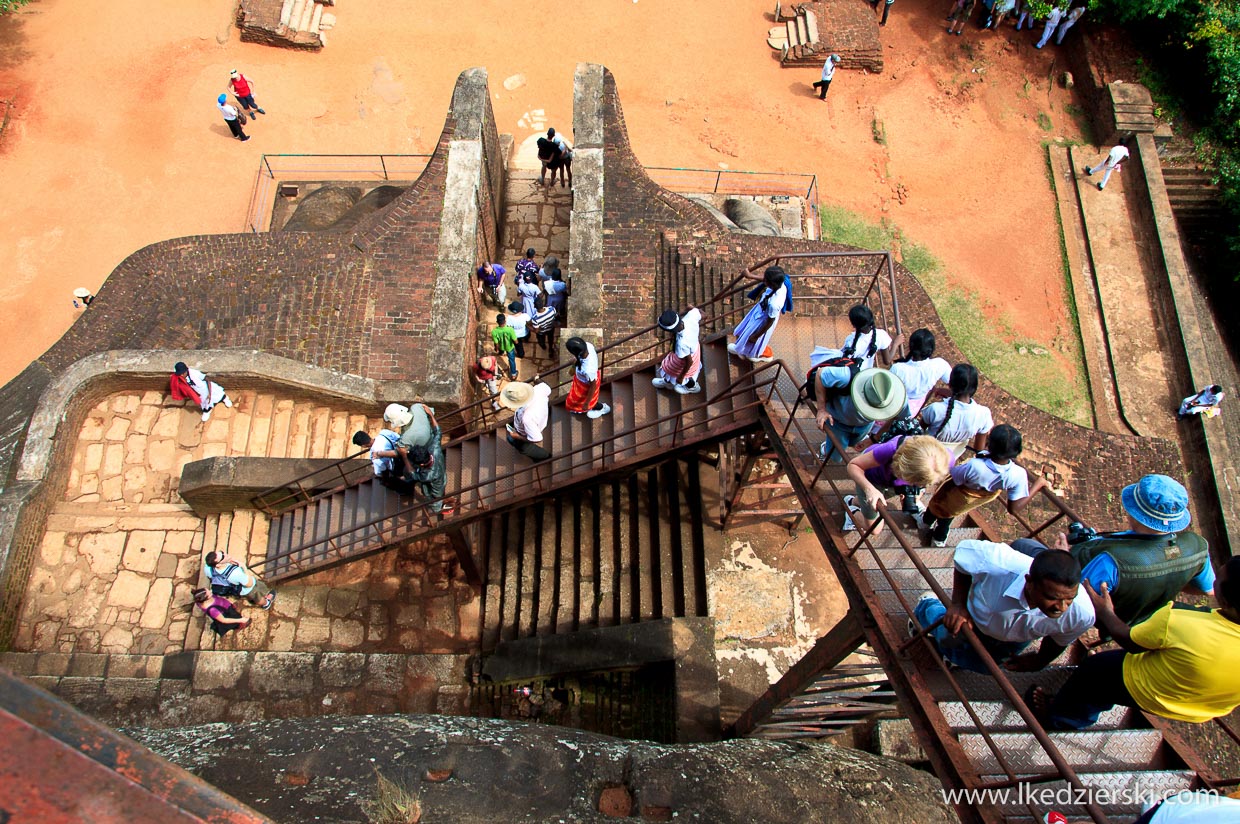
(114, 141)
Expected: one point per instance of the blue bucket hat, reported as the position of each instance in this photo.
(1158, 502)
(221, 98)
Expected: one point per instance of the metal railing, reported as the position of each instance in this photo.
(728, 181)
(274, 169)
(785, 394)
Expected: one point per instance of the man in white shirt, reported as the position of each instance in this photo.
(230, 117)
(680, 369)
(1011, 600)
(1114, 158)
(1052, 23)
(828, 72)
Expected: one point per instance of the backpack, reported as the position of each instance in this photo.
(807, 388)
(220, 585)
(904, 427)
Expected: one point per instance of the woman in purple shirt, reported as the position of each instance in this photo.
(916, 461)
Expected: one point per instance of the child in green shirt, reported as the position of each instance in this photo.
(505, 338)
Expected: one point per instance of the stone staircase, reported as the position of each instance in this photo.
(634, 549)
(807, 32)
(297, 24)
(1195, 201)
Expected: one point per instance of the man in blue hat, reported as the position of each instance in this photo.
(1145, 566)
(230, 117)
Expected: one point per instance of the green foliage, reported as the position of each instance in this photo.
(11, 5)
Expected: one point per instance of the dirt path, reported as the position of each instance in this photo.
(115, 142)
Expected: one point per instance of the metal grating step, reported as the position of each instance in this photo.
(999, 716)
(1118, 794)
(1103, 751)
(980, 687)
(909, 581)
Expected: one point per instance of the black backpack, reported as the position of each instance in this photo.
(905, 426)
(807, 388)
(226, 590)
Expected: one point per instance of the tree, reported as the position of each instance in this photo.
(7, 6)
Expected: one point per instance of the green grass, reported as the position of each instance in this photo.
(986, 340)
(1044, 122)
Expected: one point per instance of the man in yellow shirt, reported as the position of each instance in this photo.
(1182, 663)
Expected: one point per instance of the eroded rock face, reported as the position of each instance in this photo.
(322, 207)
(466, 770)
(751, 217)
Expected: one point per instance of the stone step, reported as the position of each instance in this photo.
(307, 14)
(294, 17)
(286, 12)
(811, 26)
(794, 39)
(315, 19)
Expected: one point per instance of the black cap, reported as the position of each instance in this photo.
(180, 368)
(669, 320)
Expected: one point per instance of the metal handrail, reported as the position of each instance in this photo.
(1064, 769)
(734, 286)
(741, 386)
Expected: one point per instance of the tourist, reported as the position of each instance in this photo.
(530, 291)
(244, 91)
(979, 481)
(531, 405)
(587, 380)
(232, 117)
(526, 265)
(1181, 664)
(887, 4)
(224, 616)
(1206, 402)
(756, 328)
(960, 13)
(1052, 23)
(1074, 14)
(416, 423)
(191, 385)
(1024, 14)
(999, 12)
(849, 402)
(828, 72)
(1011, 600)
(680, 369)
(544, 324)
(429, 472)
(519, 320)
(505, 339)
(491, 283)
(486, 372)
(1111, 163)
(566, 156)
(959, 421)
(388, 459)
(921, 373)
(233, 578)
(865, 338)
(550, 157)
(1148, 564)
(902, 465)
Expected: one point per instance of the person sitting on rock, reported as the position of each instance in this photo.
(1011, 600)
(191, 385)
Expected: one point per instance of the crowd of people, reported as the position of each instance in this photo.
(1055, 22)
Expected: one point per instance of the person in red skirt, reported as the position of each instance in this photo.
(587, 380)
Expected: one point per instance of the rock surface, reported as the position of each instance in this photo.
(751, 217)
(323, 769)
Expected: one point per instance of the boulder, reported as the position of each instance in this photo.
(324, 769)
(374, 200)
(751, 217)
(715, 213)
(322, 207)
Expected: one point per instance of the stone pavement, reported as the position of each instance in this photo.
(122, 551)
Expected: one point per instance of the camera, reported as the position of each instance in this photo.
(908, 499)
(1079, 533)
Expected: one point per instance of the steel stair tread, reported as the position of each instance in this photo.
(1000, 716)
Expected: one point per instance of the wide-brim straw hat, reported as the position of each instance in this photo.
(515, 395)
(878, 394)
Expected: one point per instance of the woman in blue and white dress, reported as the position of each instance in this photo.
(754, 332)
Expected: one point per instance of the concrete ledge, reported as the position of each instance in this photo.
(688, 642)
(585, 230)
(223, 484)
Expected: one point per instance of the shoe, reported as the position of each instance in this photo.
(1088, 171)
(824, 449)
(244, 139)
(271, 599)
(912, 628)
(687, 390)
(937, 544)
(761, 360)
(732, 348)
(595, 414)
(850, 501)
(927, 596)
(206, 415)
(227, 402)
(1100, 187)
(659, 383)
(262, 111)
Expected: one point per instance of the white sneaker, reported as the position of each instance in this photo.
(598, 413)
(206, 416)
(687, 390)
(732, 348)
(227, 402)
(761, 360)
(659, 383)
(937, 544)
(850, 501)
